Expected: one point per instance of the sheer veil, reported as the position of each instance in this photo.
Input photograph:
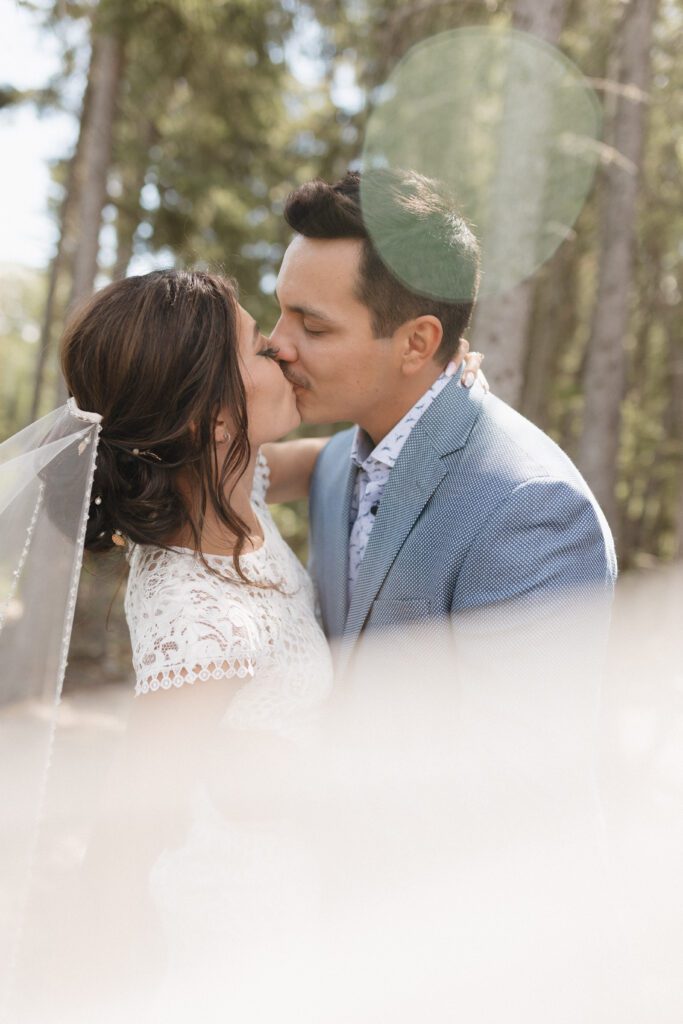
(46, 476)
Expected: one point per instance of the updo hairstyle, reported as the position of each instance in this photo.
(157, 356)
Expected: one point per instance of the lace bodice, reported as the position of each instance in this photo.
(187, 625)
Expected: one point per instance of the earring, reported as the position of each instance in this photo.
(226, 436)
(117, 538)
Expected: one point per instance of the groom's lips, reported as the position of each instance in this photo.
(295, 382)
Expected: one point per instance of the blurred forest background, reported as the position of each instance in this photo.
(199, 116)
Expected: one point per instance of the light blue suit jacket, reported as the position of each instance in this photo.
(482, 514)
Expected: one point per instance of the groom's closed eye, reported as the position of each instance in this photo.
(308, 312)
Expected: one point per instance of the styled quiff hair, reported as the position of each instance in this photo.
(418, 215)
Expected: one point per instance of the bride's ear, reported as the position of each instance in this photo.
(221, 434)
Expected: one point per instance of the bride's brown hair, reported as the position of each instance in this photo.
(157, 356)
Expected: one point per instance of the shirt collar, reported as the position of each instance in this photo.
(389, 448)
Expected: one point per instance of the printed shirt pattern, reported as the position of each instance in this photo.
(374, 466)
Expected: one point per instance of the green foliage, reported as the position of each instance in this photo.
(196, 151)
(226, 104)
(22, 296)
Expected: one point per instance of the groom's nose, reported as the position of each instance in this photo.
(287, 351)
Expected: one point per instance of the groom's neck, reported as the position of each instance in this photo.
(390, 409)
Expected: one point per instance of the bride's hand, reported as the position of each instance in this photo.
(471, 370)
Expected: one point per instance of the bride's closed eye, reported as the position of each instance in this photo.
(270, 352)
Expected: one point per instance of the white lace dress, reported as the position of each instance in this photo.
(187, 625)
(236, 900)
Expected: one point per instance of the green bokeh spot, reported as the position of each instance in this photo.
(510, 125)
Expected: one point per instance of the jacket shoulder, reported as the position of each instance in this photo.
(520, 451)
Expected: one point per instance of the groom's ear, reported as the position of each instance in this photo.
(421, 338)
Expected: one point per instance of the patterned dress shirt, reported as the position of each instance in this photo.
(374, 466)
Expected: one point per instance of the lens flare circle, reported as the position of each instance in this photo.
(510, 126)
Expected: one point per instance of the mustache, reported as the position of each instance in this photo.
(292, 378)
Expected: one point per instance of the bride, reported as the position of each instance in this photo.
(189, 391)
(223, 631)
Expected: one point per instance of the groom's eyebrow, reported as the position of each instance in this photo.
(316, 314)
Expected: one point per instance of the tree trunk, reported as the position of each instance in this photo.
(606, 356)
(677, 409)
(125, 233)
(103, 79)
(128, 208)
(551, 330)
(63, 258)
(50, 312)
(501, 322)
(544, 20)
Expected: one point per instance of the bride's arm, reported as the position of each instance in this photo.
(291, 465)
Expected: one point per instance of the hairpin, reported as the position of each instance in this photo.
(137, 452)
(152, 455)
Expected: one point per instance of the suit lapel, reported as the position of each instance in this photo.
(443, 428)
(413, 480)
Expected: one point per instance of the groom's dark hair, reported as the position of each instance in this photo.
(419, 221)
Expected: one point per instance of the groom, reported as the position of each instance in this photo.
(442, 504)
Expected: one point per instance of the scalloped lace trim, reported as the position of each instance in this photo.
(169, 677)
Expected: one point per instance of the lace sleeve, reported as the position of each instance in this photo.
(185, 626)
(261, 479)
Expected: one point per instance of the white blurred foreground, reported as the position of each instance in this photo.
(481, 847)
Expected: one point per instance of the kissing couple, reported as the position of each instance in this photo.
(440, 503)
